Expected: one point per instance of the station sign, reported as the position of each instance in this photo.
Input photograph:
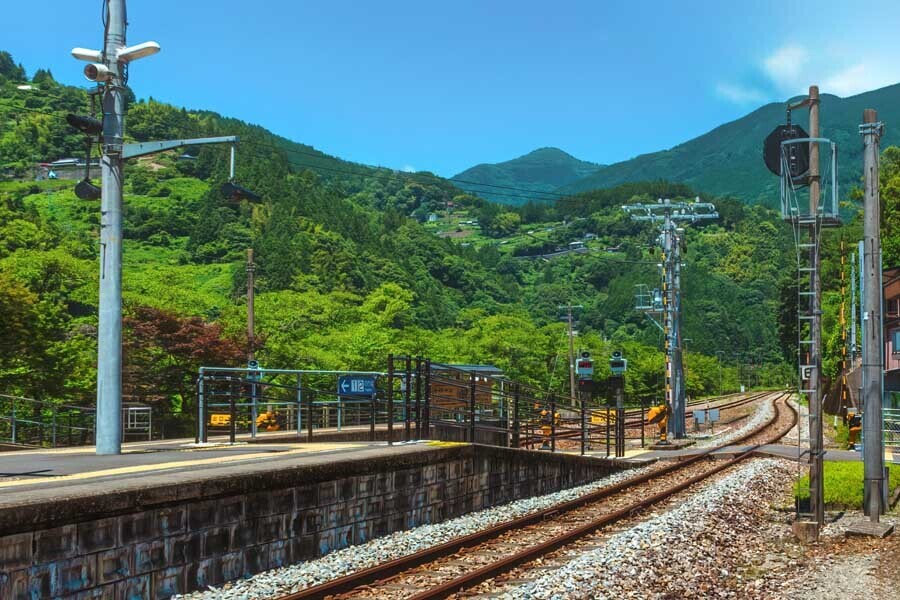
(356, 385)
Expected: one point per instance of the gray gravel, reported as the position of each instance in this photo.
(764, 411)
(675, 554)
(276, 582)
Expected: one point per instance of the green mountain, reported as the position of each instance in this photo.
(543, 170)
(727, 161)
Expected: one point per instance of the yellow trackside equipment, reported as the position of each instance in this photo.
(219, 420)
(660, 416)
(268, 421)
(854, 422)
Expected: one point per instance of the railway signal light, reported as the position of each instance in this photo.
(87, 125)
(235, 192)
(86, 190)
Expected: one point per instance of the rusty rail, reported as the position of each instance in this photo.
(388, 569)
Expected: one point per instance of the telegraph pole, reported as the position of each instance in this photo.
(251, 314)
(873, 355)
(816, 450)
(570, 320)
(668, 213)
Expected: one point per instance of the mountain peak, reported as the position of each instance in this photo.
(541, 170)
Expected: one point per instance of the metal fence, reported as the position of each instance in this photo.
(240, 401)
(891, 431)
(34, 423)
(413, 399)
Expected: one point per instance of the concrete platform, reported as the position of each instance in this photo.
(162, 519)
(155, 470)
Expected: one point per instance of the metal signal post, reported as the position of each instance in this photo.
(671, 239)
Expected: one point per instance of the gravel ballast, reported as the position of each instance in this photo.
(688, 551)
(276, 582)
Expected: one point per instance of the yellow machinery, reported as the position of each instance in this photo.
(219, 420)
(547, 426)
(267, 420)
(660, 416)
(854, 423)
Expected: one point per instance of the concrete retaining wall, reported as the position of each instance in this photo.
(155, 543)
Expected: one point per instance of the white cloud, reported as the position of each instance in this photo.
(859, 78)
(792, 69)
(739, 94)
(408, 169)
(788, 68)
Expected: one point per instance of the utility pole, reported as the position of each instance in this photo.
(108, 68)
(873, 355)
(816, 450)
(570, 320)
(853, 346)
(109, 332)
(251, 314)
(668, 213)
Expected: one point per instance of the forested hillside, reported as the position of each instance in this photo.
(347, 270)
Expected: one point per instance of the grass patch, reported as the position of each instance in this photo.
(843, 483)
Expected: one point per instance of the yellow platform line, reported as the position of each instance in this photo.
(133, 469)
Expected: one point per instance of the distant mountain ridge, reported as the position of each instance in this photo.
(726, 161)
(543, 170)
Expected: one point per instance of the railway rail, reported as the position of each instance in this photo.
(459, 564)
(574, 426)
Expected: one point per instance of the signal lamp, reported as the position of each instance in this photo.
(97, 72)
(88, 125)
(86, 190)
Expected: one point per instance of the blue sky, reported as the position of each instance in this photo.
(441, 86)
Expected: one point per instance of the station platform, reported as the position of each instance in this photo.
(168, 518)
(71, 477)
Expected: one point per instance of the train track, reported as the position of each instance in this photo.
(458, 564)
(571, 429)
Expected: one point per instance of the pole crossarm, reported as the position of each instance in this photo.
(145, 148)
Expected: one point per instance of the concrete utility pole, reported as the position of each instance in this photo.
(668, 213)
(873, 363)
(251, 314)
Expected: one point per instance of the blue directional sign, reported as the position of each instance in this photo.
(356, 385)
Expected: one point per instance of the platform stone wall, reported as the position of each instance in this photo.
(181, 546)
